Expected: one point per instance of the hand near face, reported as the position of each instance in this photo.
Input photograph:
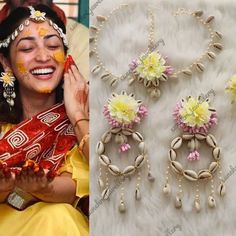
(75, 95)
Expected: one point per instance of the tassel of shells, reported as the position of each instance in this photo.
(121, 135)
(202, 176)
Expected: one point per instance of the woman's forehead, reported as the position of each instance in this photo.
(38, 29)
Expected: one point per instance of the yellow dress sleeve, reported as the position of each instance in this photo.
(78, 167)
(4, 128)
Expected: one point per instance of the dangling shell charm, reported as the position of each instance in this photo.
(197, 205)
(166, 189)
(178, 202)
(151, 178)
(122, 207)
(211, 202)
(101, 183)
(222, 189)
(106, 193)
(137, 194)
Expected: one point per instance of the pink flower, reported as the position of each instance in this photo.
(193, 156)
(133, 65)
(124, 147)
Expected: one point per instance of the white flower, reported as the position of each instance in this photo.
(37, 15)
(7, 78)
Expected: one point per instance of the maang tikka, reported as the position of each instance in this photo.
(123, 112)
(152, 68)
(195, 117)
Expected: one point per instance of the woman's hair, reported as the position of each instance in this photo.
(7, 27)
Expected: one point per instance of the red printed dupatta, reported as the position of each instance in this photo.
(45, 139)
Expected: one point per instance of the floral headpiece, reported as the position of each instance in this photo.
(36, 16)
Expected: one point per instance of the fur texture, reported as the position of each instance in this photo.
(125, 38)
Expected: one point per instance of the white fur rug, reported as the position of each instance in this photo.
(125, 38)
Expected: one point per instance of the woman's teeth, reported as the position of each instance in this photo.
(43, 71)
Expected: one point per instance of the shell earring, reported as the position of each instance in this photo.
(123, 112)
(195, 117)
(8, 80)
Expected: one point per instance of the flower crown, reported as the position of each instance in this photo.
(36, 16)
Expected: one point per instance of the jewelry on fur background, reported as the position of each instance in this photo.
(36, 16)
(231, 88)
(152, 68)
(9, 94)
(195, 117)
(123, 112)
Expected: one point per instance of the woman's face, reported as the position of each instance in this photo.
(37, 58)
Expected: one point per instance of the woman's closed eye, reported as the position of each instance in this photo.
(28, 49)
(54, 46)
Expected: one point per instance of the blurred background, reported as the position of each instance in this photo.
(74, 9)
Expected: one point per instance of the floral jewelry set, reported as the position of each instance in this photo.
(193, 115)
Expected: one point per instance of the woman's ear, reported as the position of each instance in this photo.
(5, 63)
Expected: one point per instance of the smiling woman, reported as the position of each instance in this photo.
(43, 172)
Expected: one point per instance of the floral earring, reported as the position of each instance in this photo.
(123, 112)
(195, 117)
(9, 94)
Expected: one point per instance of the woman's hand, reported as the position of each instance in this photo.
(32, 182)
(75, 95)
(7, 181)
(77, 104)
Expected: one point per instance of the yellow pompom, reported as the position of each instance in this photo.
(195, 112)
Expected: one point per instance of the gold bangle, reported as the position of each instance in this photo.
(82, 142)
(82, 119)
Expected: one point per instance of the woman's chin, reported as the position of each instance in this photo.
(45, 90)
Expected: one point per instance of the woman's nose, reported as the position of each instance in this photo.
(42, 55)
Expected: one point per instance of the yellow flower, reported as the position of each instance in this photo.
(123, 108)
(38, 13)
(232, 88)
(195, 112)
(151, 66)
